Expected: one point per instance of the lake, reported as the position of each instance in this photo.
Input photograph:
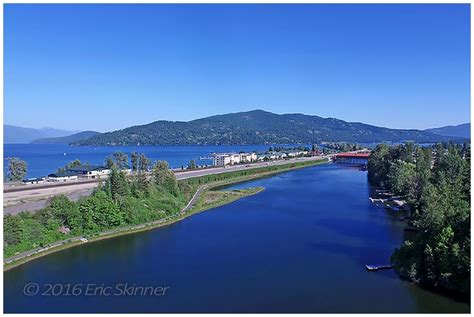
(301, 245)
(44, 159)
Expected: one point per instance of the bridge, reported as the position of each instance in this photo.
(351, 158)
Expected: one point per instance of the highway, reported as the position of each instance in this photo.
(34, 197)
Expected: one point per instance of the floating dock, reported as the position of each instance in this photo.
(374, 268)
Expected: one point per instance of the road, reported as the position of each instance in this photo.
(34, 197)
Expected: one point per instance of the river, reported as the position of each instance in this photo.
(301, 245)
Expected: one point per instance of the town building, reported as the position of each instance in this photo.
(33, 180)
(90, 171)
(248, 157)
(62, 176)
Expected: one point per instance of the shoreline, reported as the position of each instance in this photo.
(160, 223)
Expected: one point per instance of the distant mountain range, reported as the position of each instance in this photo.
(15, 134)
(460, 131)
(66, 139)
(257, 127)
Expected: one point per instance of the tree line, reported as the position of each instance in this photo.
(435, 182)
(341, 147)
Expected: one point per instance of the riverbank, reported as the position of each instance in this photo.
(189, 210)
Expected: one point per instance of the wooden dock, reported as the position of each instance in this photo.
(373, 268)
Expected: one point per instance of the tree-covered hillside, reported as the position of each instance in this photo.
(460, 131)
(66, 139)
(255, 127)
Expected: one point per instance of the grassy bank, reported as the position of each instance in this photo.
(212, 198)
(209, 197)
(246, 174)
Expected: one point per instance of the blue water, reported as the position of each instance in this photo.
(299, 246)
(43, 159)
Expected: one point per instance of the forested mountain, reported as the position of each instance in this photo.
(256, 127)
(15, 134)
(66, 139)
(460, 130)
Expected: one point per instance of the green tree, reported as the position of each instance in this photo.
(379, 164)
(401, 176)
(100, 212)
(164, 178)
(118, 184)
(109, 162)
(12, 230)
(65, 211)
(16, 169)
(144, 163)
(121, 160)
(72, 164)
(192, 164)
(134, 159)
(422, 177)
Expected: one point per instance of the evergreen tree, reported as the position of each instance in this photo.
(192, 164)
(135, 159)
(109, 162)
(164, 178)
(144, 163)
(121, 160)
(118, 184)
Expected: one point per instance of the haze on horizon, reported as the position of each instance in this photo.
(107, 67)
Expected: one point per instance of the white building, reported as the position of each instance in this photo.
(297, 153)
(223, 159)
(248, 157)
(90, 171)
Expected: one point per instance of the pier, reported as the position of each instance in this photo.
(373, 268)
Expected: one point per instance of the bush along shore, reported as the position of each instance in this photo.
(435, 183)
(123, 205)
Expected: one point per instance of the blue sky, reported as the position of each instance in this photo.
(105, 67)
